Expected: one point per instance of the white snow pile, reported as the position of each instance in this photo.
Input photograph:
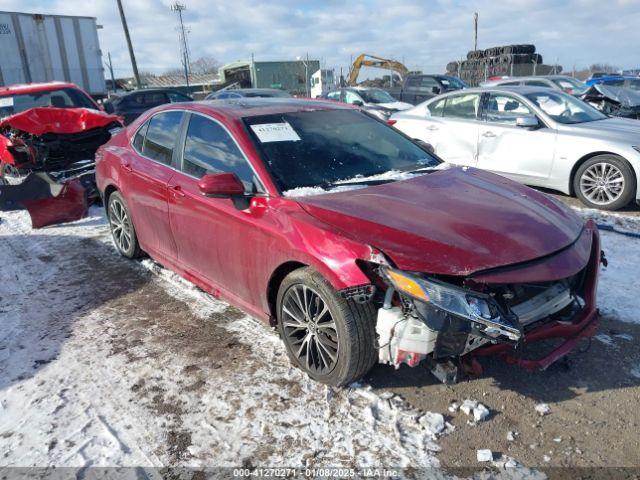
(475, 409)
(543, 409)
(484, 455)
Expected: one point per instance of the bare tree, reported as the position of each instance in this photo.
(205, 65)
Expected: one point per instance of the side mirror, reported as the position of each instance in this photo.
(357, 103)
(527, 122)
(221, 185)
(108, 107)
(435, 90)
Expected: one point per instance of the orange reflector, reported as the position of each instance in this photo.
(407, 285)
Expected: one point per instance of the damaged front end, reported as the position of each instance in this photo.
(449, 321)
(47, 161)
(614, 101)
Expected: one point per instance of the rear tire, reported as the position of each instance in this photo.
(333, 345)
(122, 230)
(605, 182)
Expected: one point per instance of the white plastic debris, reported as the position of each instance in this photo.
(510, 437)
(543, 409)
(484, 455)
(454, 407)
(546, 458)
(557, 440)
(468, 406)
(433, 422)
(480, 412)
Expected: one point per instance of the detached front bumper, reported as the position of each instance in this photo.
(554, 297)
(583, 325)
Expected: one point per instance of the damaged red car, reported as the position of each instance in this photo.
(357, 243)
(49, 134)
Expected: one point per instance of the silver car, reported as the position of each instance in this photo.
(564, 83)
(537, 136)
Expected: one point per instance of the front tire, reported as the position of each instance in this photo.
(122, 230)
(606, 182)
(330, 338)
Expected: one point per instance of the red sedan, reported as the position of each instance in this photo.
(358, 243)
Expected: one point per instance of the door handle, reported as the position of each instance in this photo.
(126, 167)
(432, 128)
(176, 190)
(488, 134)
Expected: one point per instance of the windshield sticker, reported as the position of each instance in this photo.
(275, 132)
(6, 102)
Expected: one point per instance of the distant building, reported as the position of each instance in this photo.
(197, 83)
(291, 76)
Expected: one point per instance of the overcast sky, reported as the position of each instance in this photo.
(425, 34)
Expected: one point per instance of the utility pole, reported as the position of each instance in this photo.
(113, 79)
(179, 7)
(475, 31)
(134, 65)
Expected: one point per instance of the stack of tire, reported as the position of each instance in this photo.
(508, 60)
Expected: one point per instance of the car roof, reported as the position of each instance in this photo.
(249, 90)
(152, 90)
(35, 87)
(256, 106)
(521, 89)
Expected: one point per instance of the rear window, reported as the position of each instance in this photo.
(160, 139)
(60, 98)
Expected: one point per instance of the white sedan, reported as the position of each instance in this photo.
(537, 136)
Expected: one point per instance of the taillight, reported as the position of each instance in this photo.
(391, 123)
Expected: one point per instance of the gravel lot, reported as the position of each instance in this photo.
(109, 362)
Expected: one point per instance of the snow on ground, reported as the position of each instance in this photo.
(619, 283)
(109, 362)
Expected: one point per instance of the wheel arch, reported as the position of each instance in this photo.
(109, 189)
(589, 156)
(275, 280)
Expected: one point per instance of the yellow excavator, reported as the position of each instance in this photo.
(366, 60)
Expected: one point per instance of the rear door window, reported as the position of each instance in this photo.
(537, 83)
(153, 99)
(436, 109)
(462, 106)
(160, 139)
(208, 148)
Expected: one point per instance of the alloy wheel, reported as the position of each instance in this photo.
(120, 225)
(602, 183)
(12, 175)
(309, 329)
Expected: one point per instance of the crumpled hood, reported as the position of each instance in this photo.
(41, 120)
(450, 222)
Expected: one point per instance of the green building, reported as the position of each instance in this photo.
(291, 76)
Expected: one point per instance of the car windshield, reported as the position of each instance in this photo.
(564, 108)
(570, 85)
(321, 149)
(376, 95)
(632, 83)
(452, 83)
(61, 98)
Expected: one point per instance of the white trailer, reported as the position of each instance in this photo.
(44, 48)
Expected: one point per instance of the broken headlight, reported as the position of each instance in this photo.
(476, 307)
